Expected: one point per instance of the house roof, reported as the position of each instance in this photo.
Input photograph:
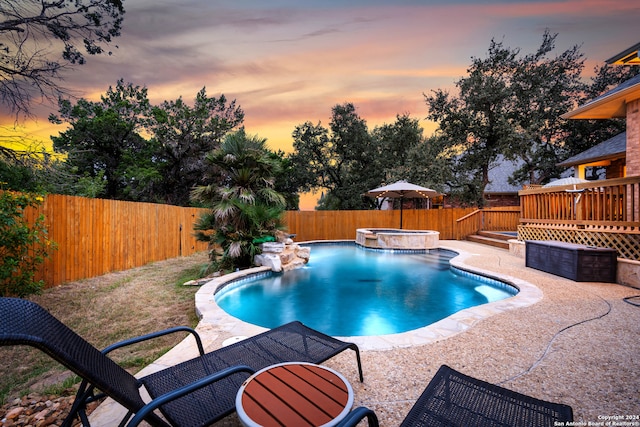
(612, 104)
(612, 148)
(499, 174)
(627, 57)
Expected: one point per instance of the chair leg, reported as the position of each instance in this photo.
(84, 396)
(79, 404)
(126, 419)
(357, 350)
(354, 417)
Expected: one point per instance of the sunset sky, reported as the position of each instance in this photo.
(287, 62)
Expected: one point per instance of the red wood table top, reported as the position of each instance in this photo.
(294, 394)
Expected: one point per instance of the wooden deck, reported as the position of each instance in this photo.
(602, 213)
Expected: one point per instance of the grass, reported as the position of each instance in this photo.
(60, 388)
(104, 310)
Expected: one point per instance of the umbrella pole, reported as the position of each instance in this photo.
(401, 199)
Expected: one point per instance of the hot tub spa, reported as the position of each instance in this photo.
(388, 238)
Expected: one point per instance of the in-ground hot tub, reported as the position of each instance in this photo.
(388, 238)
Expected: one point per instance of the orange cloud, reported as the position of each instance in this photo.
(292, 64)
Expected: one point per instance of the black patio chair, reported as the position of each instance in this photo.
(196, 392)
(454, 399)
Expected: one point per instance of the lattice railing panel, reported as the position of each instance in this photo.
(546, 233)
(627, 244)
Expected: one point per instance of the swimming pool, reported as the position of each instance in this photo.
(346, 290)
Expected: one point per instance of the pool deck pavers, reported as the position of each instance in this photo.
(572, 342)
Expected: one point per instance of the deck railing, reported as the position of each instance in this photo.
(600, 213)
(612, 202)
(489, 219)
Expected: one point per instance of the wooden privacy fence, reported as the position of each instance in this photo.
(342, 225)
(97, 236)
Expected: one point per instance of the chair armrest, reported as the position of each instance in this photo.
(354, 417)
(184, 390)
(157, 334)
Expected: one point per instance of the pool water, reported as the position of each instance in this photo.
(346, 290)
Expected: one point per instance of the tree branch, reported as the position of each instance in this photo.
(77, 26)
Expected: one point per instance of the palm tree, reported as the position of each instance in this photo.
(245, 208)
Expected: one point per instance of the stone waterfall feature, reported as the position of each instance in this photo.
(282, 256)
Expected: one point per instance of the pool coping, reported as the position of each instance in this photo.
(213, 316)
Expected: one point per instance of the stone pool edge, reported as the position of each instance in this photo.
(210, 313)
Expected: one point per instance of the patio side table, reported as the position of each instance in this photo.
(294, 394)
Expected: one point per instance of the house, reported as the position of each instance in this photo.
(610, 155)
(606, 212)
(498, 191)
(620, 102)
(627, 57)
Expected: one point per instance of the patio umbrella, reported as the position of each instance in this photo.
(565, 181)
(402, 190)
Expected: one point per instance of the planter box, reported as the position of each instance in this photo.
(576, 262)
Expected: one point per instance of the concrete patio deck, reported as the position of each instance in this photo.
(559, 340)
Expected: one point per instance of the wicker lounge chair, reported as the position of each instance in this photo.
(454, 399)
(193, 393)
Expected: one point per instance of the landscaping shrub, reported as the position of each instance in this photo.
(23, 246)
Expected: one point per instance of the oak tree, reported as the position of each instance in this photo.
(104, 141)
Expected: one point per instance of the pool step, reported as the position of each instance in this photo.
(437, 261)
(492, 239)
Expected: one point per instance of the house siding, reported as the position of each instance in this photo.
(633, 149)
(633, 138)
(616, 169)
